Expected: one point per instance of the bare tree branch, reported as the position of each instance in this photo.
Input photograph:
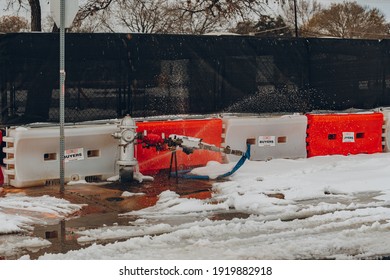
(196, 15)
(349, 20)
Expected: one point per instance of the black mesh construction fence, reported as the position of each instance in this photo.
(110, 75)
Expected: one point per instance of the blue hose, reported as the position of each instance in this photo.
(238, 165)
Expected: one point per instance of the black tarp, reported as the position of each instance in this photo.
(109, 75)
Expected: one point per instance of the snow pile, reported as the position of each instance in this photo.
(213, 169)
(18, 211)
(11, 245)
(121, 232)
(12, 223)
(334, 207)
(129, 194)
(170, 203)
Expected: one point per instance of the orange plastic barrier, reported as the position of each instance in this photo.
(344, 134)
(209, 130)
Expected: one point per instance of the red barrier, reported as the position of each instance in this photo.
(209, 130)
(344, 134)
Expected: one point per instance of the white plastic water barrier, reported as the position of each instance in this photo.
(386, 129)
(269, 137)
(33, 154)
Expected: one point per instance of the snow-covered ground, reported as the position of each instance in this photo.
(334, 207)
(19, 213)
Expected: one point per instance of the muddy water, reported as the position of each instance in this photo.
(63, 235)
(103, 203)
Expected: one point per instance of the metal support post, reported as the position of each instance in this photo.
(62, 96)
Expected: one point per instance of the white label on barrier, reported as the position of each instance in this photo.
(348, 137)
(267, 141)
(74, 154)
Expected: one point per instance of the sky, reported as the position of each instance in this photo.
(334, 207)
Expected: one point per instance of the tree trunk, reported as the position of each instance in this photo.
(36, 16)
(39, 93)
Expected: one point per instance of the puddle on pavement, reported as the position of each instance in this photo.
(104, 204)
(63, 236)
